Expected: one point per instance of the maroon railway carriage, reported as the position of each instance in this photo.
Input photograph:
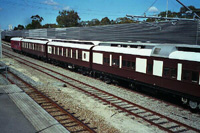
(35, 47)
(172, 69)
(16, 44)
(72, 54)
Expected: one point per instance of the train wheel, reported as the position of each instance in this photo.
(193, 104)
(132, 85)
(107, 80)
(184, 100)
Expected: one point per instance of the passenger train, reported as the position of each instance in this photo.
(168, 68)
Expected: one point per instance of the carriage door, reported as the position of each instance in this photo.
(115, 61)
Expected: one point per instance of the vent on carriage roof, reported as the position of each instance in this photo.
(156, 51)
(163, 50)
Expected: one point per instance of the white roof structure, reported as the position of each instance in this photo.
(35, 41)
(77, 41)
(182, 55)
(70, 45)
(16, 39)
(122, 50)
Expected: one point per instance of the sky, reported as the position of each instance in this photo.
(14, 12)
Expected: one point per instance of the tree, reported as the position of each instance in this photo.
(123, 20)
(19, 27)
(36, 22)
(186, 13)
(68, 18)
(169, 14)
(105, 21)
(37, 18)
(50, 26)
(94, 22)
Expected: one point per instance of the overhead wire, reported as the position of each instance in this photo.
(150, 6)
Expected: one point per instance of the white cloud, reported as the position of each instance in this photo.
(66, 8)
(153, 9)
(50, 2)
(56, 8)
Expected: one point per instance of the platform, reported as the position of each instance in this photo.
(20, 114)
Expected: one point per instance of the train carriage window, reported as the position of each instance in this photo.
(74, 54)
(80, 55)
(133, 65)
(54, 50)
(84, 55)
(106, 60)
(173, 73)
(115, 62)
(128, 64)
(186, 75)
(123, 63)
(33, 46)
(69, 53)
(195, 77)
(58, 51)
(66, 52)
(49, 49)
(166, 71)
(149, 68)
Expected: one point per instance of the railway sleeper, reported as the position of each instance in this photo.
(63, 119)
(74, 125)
(180, 130)
(171, 127)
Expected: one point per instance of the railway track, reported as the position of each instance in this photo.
(121, 105)
(68, 119)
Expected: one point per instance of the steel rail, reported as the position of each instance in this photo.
(61, 109)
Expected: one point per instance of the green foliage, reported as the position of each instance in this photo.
(123, 20)
(36, 22)
(50, 26)
(19, 27)
(68, 18)
(72, 19)
(105, 21)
